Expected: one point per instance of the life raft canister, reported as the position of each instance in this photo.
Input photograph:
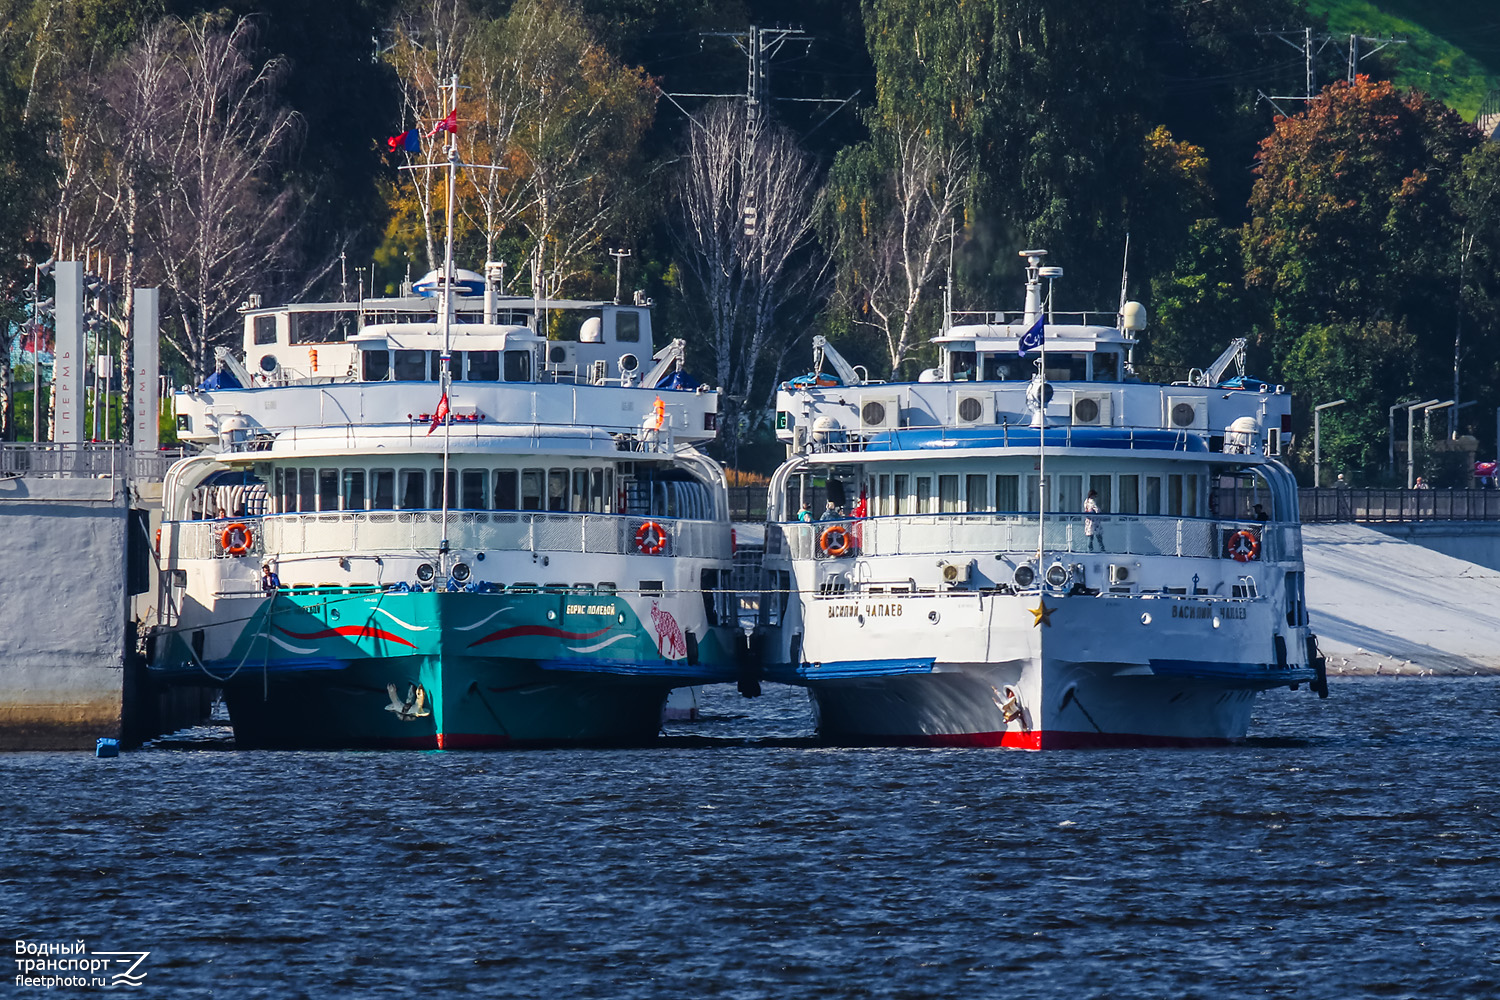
(651, 538)
(1242, 546)
(835, 541)
(237, 539)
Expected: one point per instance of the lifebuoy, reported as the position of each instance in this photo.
(1242, 546)
(651, 538)
(835, 541)
(237, 539)
(158, 541)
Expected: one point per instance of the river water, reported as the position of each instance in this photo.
(1350, 848)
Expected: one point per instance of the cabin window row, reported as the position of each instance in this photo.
(903, 493)
(326, 490)
(426, 366)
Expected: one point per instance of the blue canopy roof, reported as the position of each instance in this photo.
(991, 436)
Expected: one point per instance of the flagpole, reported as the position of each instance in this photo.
(445, 379)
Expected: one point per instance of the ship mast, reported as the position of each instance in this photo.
(444, 378)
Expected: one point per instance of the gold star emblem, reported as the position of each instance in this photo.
(1041, 615)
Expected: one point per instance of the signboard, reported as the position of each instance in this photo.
(67, 370)
(145, 381)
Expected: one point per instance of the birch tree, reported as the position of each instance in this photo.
(756, 276)
(896, 199)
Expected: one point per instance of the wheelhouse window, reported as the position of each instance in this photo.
(976, 493)
(531, 489)
(1100, 485)
(924, 494)
(411, 366)
(1069, 494)
(961, 364)
(437, 488)
(320, 327)
(265, 330)
(1130, 494)
(1066, 367)
(948, 494)
(557, 489)
(903, 494)
(455, 366)
(596, 491)
(307, 489)
(484, 366)
(1106, 366)
(627, 326)
(1007, 493)
(1153, 495)
(375, 366)
(1005, 368)
(580, 497)
(518, 366)
(472, 495)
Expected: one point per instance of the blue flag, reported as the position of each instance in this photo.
(1032, 338)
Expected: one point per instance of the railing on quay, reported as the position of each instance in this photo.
(87, 460)
(958, 534)
(397, 531)
(1384, 506)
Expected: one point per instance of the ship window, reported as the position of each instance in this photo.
(286, 490)
(976, 493)
(437, 487)
(627, 326)
(455, 366)
(1153, 495)
(307, 490)
(484, 366)
(1067, 367)
(962, 363)
(1100, 485)
(473, 489)
(1008, 493)
(948, 494)
(609, 491)
(531, 489)
(557, 489)
(383, 489)
(1174, 495)
(413, 489)
(1069, 494)
(1005, 368)
(328, 489)
(1190, 496)
(1130, 494)
(411, 366)
(507, 495)
(518, 366)
(596, 490)
(924, 494)
(580, 499)
(354, 489)
(265, 330)
(903, 491)
(319, 327)
(1033, 492)
(1106, 368)
(376, 365)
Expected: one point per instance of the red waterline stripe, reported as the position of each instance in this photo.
(471, 741)
(547, 630)
(367, 631)
(1049, 740)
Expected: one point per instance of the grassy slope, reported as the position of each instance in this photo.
(1453, 47)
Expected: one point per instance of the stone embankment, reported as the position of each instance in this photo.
(1385, 605)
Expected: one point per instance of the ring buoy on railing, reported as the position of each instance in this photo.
(1242, 546)
(835, 541)
(237, 539)
(651, 538)
(158, 541)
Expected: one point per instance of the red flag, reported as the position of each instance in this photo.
(440, 415)
(449, 124)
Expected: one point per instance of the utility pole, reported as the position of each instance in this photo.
(619, 256)
(1311, 46)
(1355, 55)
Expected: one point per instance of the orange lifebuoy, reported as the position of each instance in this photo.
(651, 538)
(237, 539)
(158, 541)
(835, 541)
(1242, 546)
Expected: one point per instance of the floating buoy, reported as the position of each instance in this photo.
(107, 747)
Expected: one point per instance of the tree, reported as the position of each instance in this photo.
(893, 203)
(744, 215)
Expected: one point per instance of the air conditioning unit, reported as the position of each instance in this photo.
(598, 371)
(1093, 409)
(974, 408)
(1187, 413)
(562, 356)
(954, 573)
(879, 413)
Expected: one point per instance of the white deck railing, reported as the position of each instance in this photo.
(953, 534)
(402, 531)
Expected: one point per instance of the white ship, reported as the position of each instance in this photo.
(1030, 547)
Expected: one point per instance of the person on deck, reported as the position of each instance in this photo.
(269, 581)
(1091, 526)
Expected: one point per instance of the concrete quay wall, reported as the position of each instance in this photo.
(1477, 542)
(62, 612)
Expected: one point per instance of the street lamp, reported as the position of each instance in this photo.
(1411, 419)
(1391, 445)
(1318, 438)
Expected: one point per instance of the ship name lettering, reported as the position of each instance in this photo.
(843, 610)
(887, 610)
(590, 609)
(1234, 613)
